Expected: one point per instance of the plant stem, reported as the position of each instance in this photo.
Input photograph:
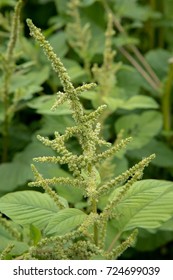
(5, 134)
(154, 80)
(94, 207)
(111, 246)
(5, 139)
(8, 66)
(166, 99)
(139, 68)
(146, 65)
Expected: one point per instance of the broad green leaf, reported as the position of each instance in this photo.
(89, 15)
(26, 84)
(167, 226)
(19, 169)
(90, 95)
(44, 103)
(6, 239)
(58, 42)
(18, 249)
(20, 135)
(147, 241)
(134, 11)
(61, 5)
(164, 154)
(75, 71)
(55, 123)
(129, 80)
(7, 3)
(35, 234)
(97, 27)
(135, 102)
(158, 59)
(64, 221)
(88, 2)
(140, 101)
(141, 127)
(147, 204)
(29, 207)
(113, 103)
(13, 174)
(71, 194)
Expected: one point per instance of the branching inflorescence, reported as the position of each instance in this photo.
(87, 241)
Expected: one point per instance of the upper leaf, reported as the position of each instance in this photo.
(135, 102)
(29, 207)
(141, 127)
(147, 204)
(65, 220)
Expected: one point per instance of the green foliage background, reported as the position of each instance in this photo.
(139, 102)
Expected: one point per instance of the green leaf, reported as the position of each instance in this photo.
(77, 74)
(61, 5)
(147, 204)
(113, 103)
(64, 221)
(158, 59)
(7, 3)
(58, 42)
(6, 239)
(167, 226)
(44, 103)
(135, 102)
(19, 169)
(164, 155)
(19, 247)
(20, 172)
(26, 84)
(141, 127)
(140, 101)
(29, 207)
(87, 2)
(90, 95)
(70, 193)
(35, 234)
(147, 241)
(134, 11)
(129, 80)
(55, 123)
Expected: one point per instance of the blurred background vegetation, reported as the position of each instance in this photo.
(126, 47)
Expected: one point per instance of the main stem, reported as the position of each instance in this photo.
(94, 209)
